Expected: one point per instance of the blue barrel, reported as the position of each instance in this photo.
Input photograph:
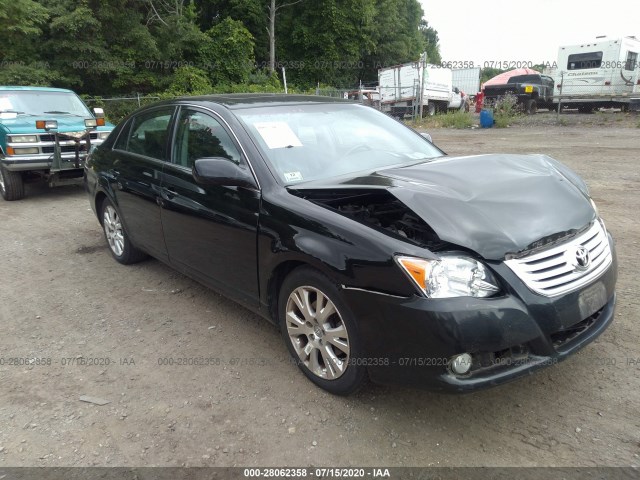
(486, 118)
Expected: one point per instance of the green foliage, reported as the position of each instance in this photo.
(21, 23)
(457, 119)
(190, 81)
(431, 42)
(111, 47)
(489, 73)
(229, 51)
(505, 110)
(36, 74)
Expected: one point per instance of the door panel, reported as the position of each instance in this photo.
(140, 157)
(210, 231)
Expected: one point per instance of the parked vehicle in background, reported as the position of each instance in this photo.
(400, 88)
(467, 80)
(600, 74)
(44, 133)
(532, 90)
(375, 253)
(366, 96)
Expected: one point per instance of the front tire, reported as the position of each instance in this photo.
(11, 185)
(321, 332)
(119, 244)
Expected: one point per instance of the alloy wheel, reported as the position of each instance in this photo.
(113, 230)
(317, 332)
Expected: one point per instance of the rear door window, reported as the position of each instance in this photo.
(149, 133)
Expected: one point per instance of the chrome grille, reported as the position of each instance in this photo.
(556, 271)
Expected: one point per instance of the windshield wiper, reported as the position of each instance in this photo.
(11, 111)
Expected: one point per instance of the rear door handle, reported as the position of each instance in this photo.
(169, 194)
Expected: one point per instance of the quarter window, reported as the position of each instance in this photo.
(584, 61)
(201, 136)
(149, 133)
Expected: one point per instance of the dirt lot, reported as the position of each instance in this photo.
(64, 300)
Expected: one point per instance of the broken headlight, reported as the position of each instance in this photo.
(450, 276)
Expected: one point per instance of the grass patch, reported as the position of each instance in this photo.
(455, 119)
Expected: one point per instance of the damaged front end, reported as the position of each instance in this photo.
(378, 209)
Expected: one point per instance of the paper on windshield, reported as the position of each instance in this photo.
(277, 135)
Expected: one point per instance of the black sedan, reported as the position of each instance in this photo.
(375, 254)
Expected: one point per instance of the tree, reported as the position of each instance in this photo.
(229, 49)
(397, 37)
(274, 7)
(21, 23)
(431, 42)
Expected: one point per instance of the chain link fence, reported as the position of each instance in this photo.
(117, 108)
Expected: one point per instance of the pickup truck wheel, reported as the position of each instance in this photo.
(11, 185)
(431, 109)
(531, 107)
(119, 245)
(320, 332)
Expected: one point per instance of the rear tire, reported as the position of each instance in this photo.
(117, 238)
(11, 185)
(531, 107)
(320, 332)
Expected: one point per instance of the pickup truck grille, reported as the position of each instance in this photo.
(65, 148)
(49, 137)
(566, 267)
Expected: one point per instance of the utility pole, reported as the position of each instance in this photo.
(423, 64)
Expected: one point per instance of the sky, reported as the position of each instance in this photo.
(516, 30)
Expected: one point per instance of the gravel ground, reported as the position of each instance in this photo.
(89, 326)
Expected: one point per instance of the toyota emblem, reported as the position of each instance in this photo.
(582, 258)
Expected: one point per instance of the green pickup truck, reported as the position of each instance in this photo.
(45, 133)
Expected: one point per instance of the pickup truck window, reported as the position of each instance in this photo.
(584, 61)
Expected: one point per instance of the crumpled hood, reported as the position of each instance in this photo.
(491, 204)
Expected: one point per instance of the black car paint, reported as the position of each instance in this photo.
(261, 234)
(451, 194)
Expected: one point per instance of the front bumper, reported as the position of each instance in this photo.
(412, 340)
(21, 163)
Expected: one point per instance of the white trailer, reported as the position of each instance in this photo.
(600, 74)
(467, 80)
(400, 88)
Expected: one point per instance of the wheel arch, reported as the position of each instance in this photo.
(98, 201)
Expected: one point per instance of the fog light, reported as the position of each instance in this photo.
(461, 364)
(26, 151)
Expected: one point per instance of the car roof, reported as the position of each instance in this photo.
(34, 89)
(234, 101)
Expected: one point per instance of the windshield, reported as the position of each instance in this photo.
(315, 142)
(26, 102)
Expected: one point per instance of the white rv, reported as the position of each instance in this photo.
(400, 86)
(604, 73)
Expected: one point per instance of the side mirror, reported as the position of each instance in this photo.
(427, 137)
(457, 90)
(98, 112)
(222, 171)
